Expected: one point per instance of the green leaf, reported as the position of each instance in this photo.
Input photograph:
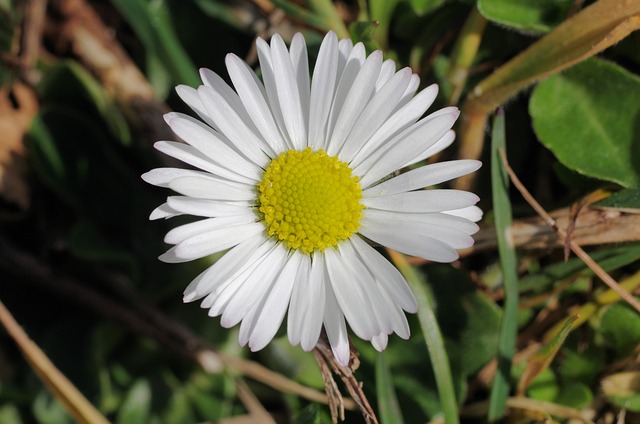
(588, 117)
(390, 412)
(575, 394)
(9, 414)
(619, 327)
(47, 410)
(544, 387)
(626, 200)
(364, 32)
(526, 16)
(508, 264)
(136, 406)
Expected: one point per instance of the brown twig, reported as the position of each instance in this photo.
(336, 402)
(346, 375)
(601, 273)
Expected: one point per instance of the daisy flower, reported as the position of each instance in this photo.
(292, 182)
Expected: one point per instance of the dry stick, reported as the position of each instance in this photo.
(601, 273)
(336, 403)
(347, 377)
(162, 329)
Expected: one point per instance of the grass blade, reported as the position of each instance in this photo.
(390, 412)
(508, 264)
(153, 26)
(433, 339)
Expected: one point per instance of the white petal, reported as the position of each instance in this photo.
(444, 142)
(380, 341)
(387, 275)
(350, 296)
(347, 77)
(403, 147)
(439, 219)
(272, 313)
(222, 269)
(161, 177)
(219, 297)
(336, 328)
(423, 201)
(192, 156)
(472, 213)
(386, 72)
(407, 223)
(306, 309)
(215, 241)
(268, 76)
(253, 96)
(206, 188)
(357, 98)
(207, 208)
(238, 128)
(190, 96)
(424, 176)
(163, 211)
(345, 47)
(207, 141)
(398, 122)
(255, 286)
(323, 85)
(406, 242)
(288, 93)
(375, 114)
(410, 91)
(300, 62)
(183, 232)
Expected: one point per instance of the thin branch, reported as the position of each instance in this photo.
(346, 375)
(601, 273)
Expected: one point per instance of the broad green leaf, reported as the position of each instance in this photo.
(422, 7)
(390, 412)
(526, 16)
(588, 118)
(294, 362)
(575, 394)
(48, 410)
(627, 200)
(136, 406)
(583, 367)
(179, 409)
(364, 32)
(619, 326)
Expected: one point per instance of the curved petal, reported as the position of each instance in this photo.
(423, 201)
(253, 96)
(288, 93)
(472, 213)
(422, 177)
(336, 328)
(307, 303)
(270, 316)
(183, 232)
(323, 85)
(206, 188)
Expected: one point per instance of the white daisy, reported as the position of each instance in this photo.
(289, 181)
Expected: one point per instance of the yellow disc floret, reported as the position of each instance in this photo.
(310, 200)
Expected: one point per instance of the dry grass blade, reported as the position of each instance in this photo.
(74, 402)
(601, 273)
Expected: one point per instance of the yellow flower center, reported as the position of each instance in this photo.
(310, 200)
